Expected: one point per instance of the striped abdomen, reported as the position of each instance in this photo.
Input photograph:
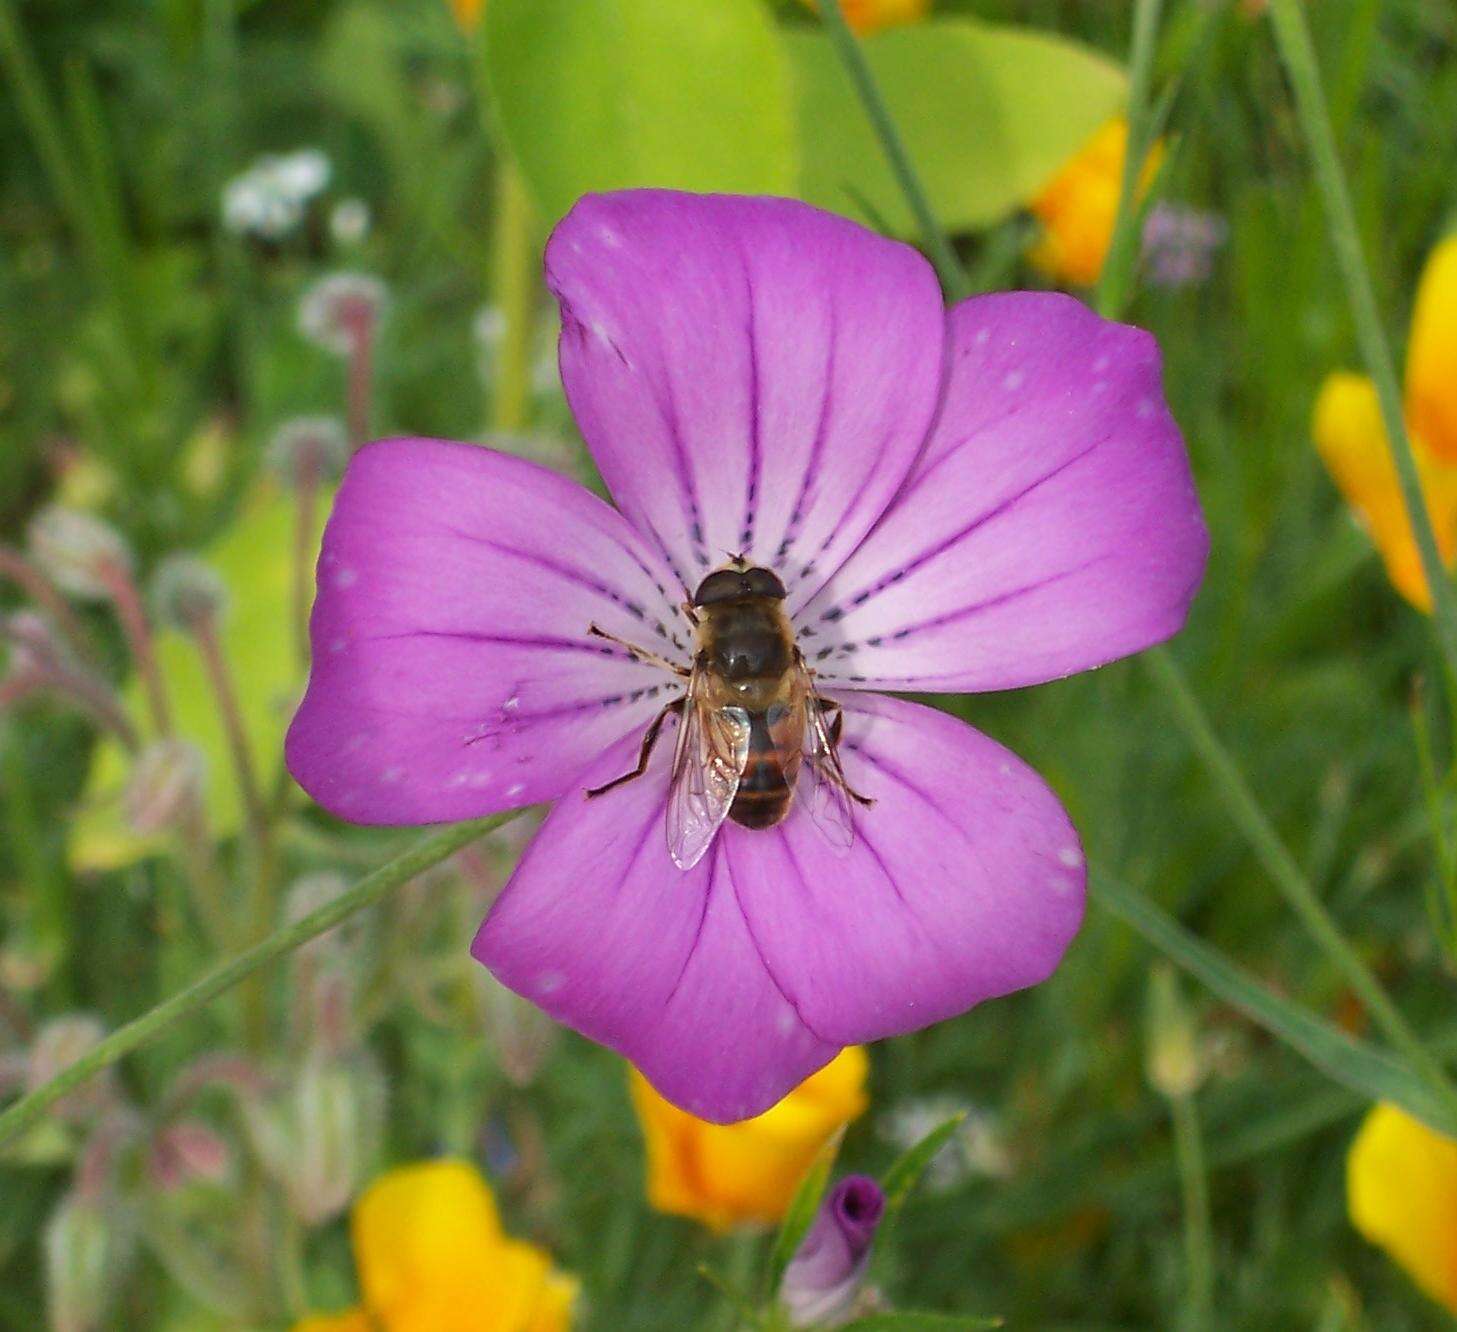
(766, 789)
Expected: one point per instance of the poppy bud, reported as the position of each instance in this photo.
(1175, 1061)
(337, 310)
(187, 592)
(824, 1276)
(78, 551)
(165, 783)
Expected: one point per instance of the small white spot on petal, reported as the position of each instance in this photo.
(983, 336)
(511, 704)
(338, 644)
(1100, 365)
(1071, 856)
(549, 982)
(1144, 409)
(1100, 386)
(784, 1021)
(515, 789)
(1005, 769)
(478, 779)
(609, 237)
(1012, 380)
(355, 743)
(392, 774)
(345, 577)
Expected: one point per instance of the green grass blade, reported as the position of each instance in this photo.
(1340, 1057)
(801, 1213)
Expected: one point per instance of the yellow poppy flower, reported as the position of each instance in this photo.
(432, 1257)
(467, 13)
(867, 16)
(1401, 1192)
(1078, 206)
(1431, 358)
(735, 1174)
(1351, 437)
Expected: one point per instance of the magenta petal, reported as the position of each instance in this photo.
(604, 932)
(453, 673)
(965, 880)
(1050, 526)
(752, 375)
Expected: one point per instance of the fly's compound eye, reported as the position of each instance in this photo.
(735, 584)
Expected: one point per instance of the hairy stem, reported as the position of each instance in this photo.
(513, 280)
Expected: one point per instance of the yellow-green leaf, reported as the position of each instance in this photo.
(255, 557)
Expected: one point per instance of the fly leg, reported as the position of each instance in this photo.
(638, 653)
(834, 716)
(650, 738)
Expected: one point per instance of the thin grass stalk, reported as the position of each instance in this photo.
(1198, 1232)
(938, 245)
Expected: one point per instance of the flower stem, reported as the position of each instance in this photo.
(938, 246)
(360, 380)
(1114, 282)
(1281, 866)
(513, 275)
(1292, 38)
(429, 850)
(220, 677)
(138, 632)
(47, 596)
(1198, 1237)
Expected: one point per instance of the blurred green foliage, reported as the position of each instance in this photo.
(131, 324)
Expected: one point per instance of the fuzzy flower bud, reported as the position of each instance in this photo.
(35, 653)
(59, 1044)
(186, 592)
(86, 1252)
(340, 309)
(824, 1276)
(308, 446)
(188, 1151)
(165, 783)
(349, 221)
(1175, 1061)
(78, 551)
(319, 1139)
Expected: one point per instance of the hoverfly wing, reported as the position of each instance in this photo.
(822, 785)
(712, 750)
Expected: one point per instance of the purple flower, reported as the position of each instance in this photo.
(822, 1279)
(1179, 244)
(963, 502)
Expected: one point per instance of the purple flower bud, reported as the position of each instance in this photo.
(1179, 244)
(824, 1276)
(187, 592)
(165, 783)
(79, 552)
(313, 447)
(340, 310)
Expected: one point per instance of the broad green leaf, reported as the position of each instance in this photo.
(1342, 1058)
(619, 93)
(255, 557)
(802, 1209)
(988, 113)
(921, 1322)
(906, 1171)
